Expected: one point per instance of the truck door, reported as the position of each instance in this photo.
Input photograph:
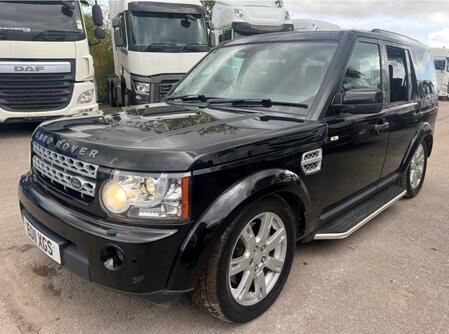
(356, 143)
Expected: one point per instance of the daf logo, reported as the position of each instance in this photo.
(76, 183)
(29, 68)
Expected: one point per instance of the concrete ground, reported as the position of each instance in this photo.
(392, 276)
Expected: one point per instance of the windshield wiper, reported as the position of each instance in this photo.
(192, 46)
(266, 103)
(190, 97)
(56, 35)
(158, 46)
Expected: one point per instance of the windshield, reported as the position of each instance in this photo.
(41, 20)
(281, 72)
(440, 64)
(168, 32)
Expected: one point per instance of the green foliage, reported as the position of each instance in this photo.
(103, 60)
(209, 5)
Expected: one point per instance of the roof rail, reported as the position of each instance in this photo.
(388, 32)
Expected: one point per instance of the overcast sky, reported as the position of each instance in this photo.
(427, 21)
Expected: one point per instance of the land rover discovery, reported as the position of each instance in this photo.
(269, 140)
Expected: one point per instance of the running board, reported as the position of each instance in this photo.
(350, 222)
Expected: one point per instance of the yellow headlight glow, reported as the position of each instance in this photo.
(114, 198)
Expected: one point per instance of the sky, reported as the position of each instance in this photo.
(427, 21)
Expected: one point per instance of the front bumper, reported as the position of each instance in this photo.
(72, 109)
(148, 253)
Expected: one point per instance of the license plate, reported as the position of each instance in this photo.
(44, 243)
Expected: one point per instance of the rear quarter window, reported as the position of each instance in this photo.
(425, 72)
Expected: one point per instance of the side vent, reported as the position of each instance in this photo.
(311, 161)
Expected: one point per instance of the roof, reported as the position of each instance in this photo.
(329, 35)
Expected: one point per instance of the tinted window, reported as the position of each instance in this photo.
(397, 70)
(364, 68)
(425, 71)
(29, 20)
(440, 64)
(282, 72)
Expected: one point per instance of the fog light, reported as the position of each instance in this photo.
(87, 96)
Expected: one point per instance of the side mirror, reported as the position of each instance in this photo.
(97, 15)
(359, 101)
(212, 41)
(210, 25)
(99, 33)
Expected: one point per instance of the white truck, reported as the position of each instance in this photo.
(441, 60)
(154, 44)
(313, 25)
(46, 69)
(236, 18)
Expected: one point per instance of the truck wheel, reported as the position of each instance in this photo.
(250, 262)
(413, 179)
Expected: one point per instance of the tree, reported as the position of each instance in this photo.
(103, 59)
(209, 6)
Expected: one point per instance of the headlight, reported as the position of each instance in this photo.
(158, 196)
(287, 15)
(238, 12)
(142, 87)
(87, 96)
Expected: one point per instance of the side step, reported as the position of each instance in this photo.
(351, 221)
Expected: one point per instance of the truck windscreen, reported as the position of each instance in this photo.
(41, 21)
(167, 32)
(440, 64)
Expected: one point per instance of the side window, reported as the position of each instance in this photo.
(425, 71)
(364, 68)
(397, 72)
(118, 24)
(226, 35)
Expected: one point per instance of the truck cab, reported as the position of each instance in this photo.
(46, 69)
(154, 45)
(233, 19)
(441, 61)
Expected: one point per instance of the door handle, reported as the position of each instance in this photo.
(383, 126)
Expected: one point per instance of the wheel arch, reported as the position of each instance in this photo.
(198, 245)
(424, 134)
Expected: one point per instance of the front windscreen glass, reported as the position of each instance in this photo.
(282, 72)
(167, 32)
(440, 64)
(41, 21)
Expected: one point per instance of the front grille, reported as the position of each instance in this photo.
(165, 87)
(36, 92)
(74, 174)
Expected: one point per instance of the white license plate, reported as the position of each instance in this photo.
(44, 243)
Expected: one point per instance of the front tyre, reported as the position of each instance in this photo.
(414, 178)
(250, 263)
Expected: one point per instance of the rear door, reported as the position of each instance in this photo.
(357, 143)
(403, 104)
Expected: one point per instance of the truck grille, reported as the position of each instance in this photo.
(36, 92)
(64, 171)
(165, 87)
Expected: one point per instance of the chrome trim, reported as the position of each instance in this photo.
(74, 165)
(34, 67)
(311, 161)
(64, 178)
(331, 236)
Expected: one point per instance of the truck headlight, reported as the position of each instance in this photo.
(87, 96)
(139, 195)
(141, 87)
(238, 12)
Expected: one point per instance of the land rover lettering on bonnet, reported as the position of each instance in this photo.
(268, 141)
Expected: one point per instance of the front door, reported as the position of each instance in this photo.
(356, 143)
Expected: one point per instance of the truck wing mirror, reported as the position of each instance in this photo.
(359, 101)
(212, 41)
(210, 25)
(97, 15)
(99, 33)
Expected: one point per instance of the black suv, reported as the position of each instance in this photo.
(269, 140)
